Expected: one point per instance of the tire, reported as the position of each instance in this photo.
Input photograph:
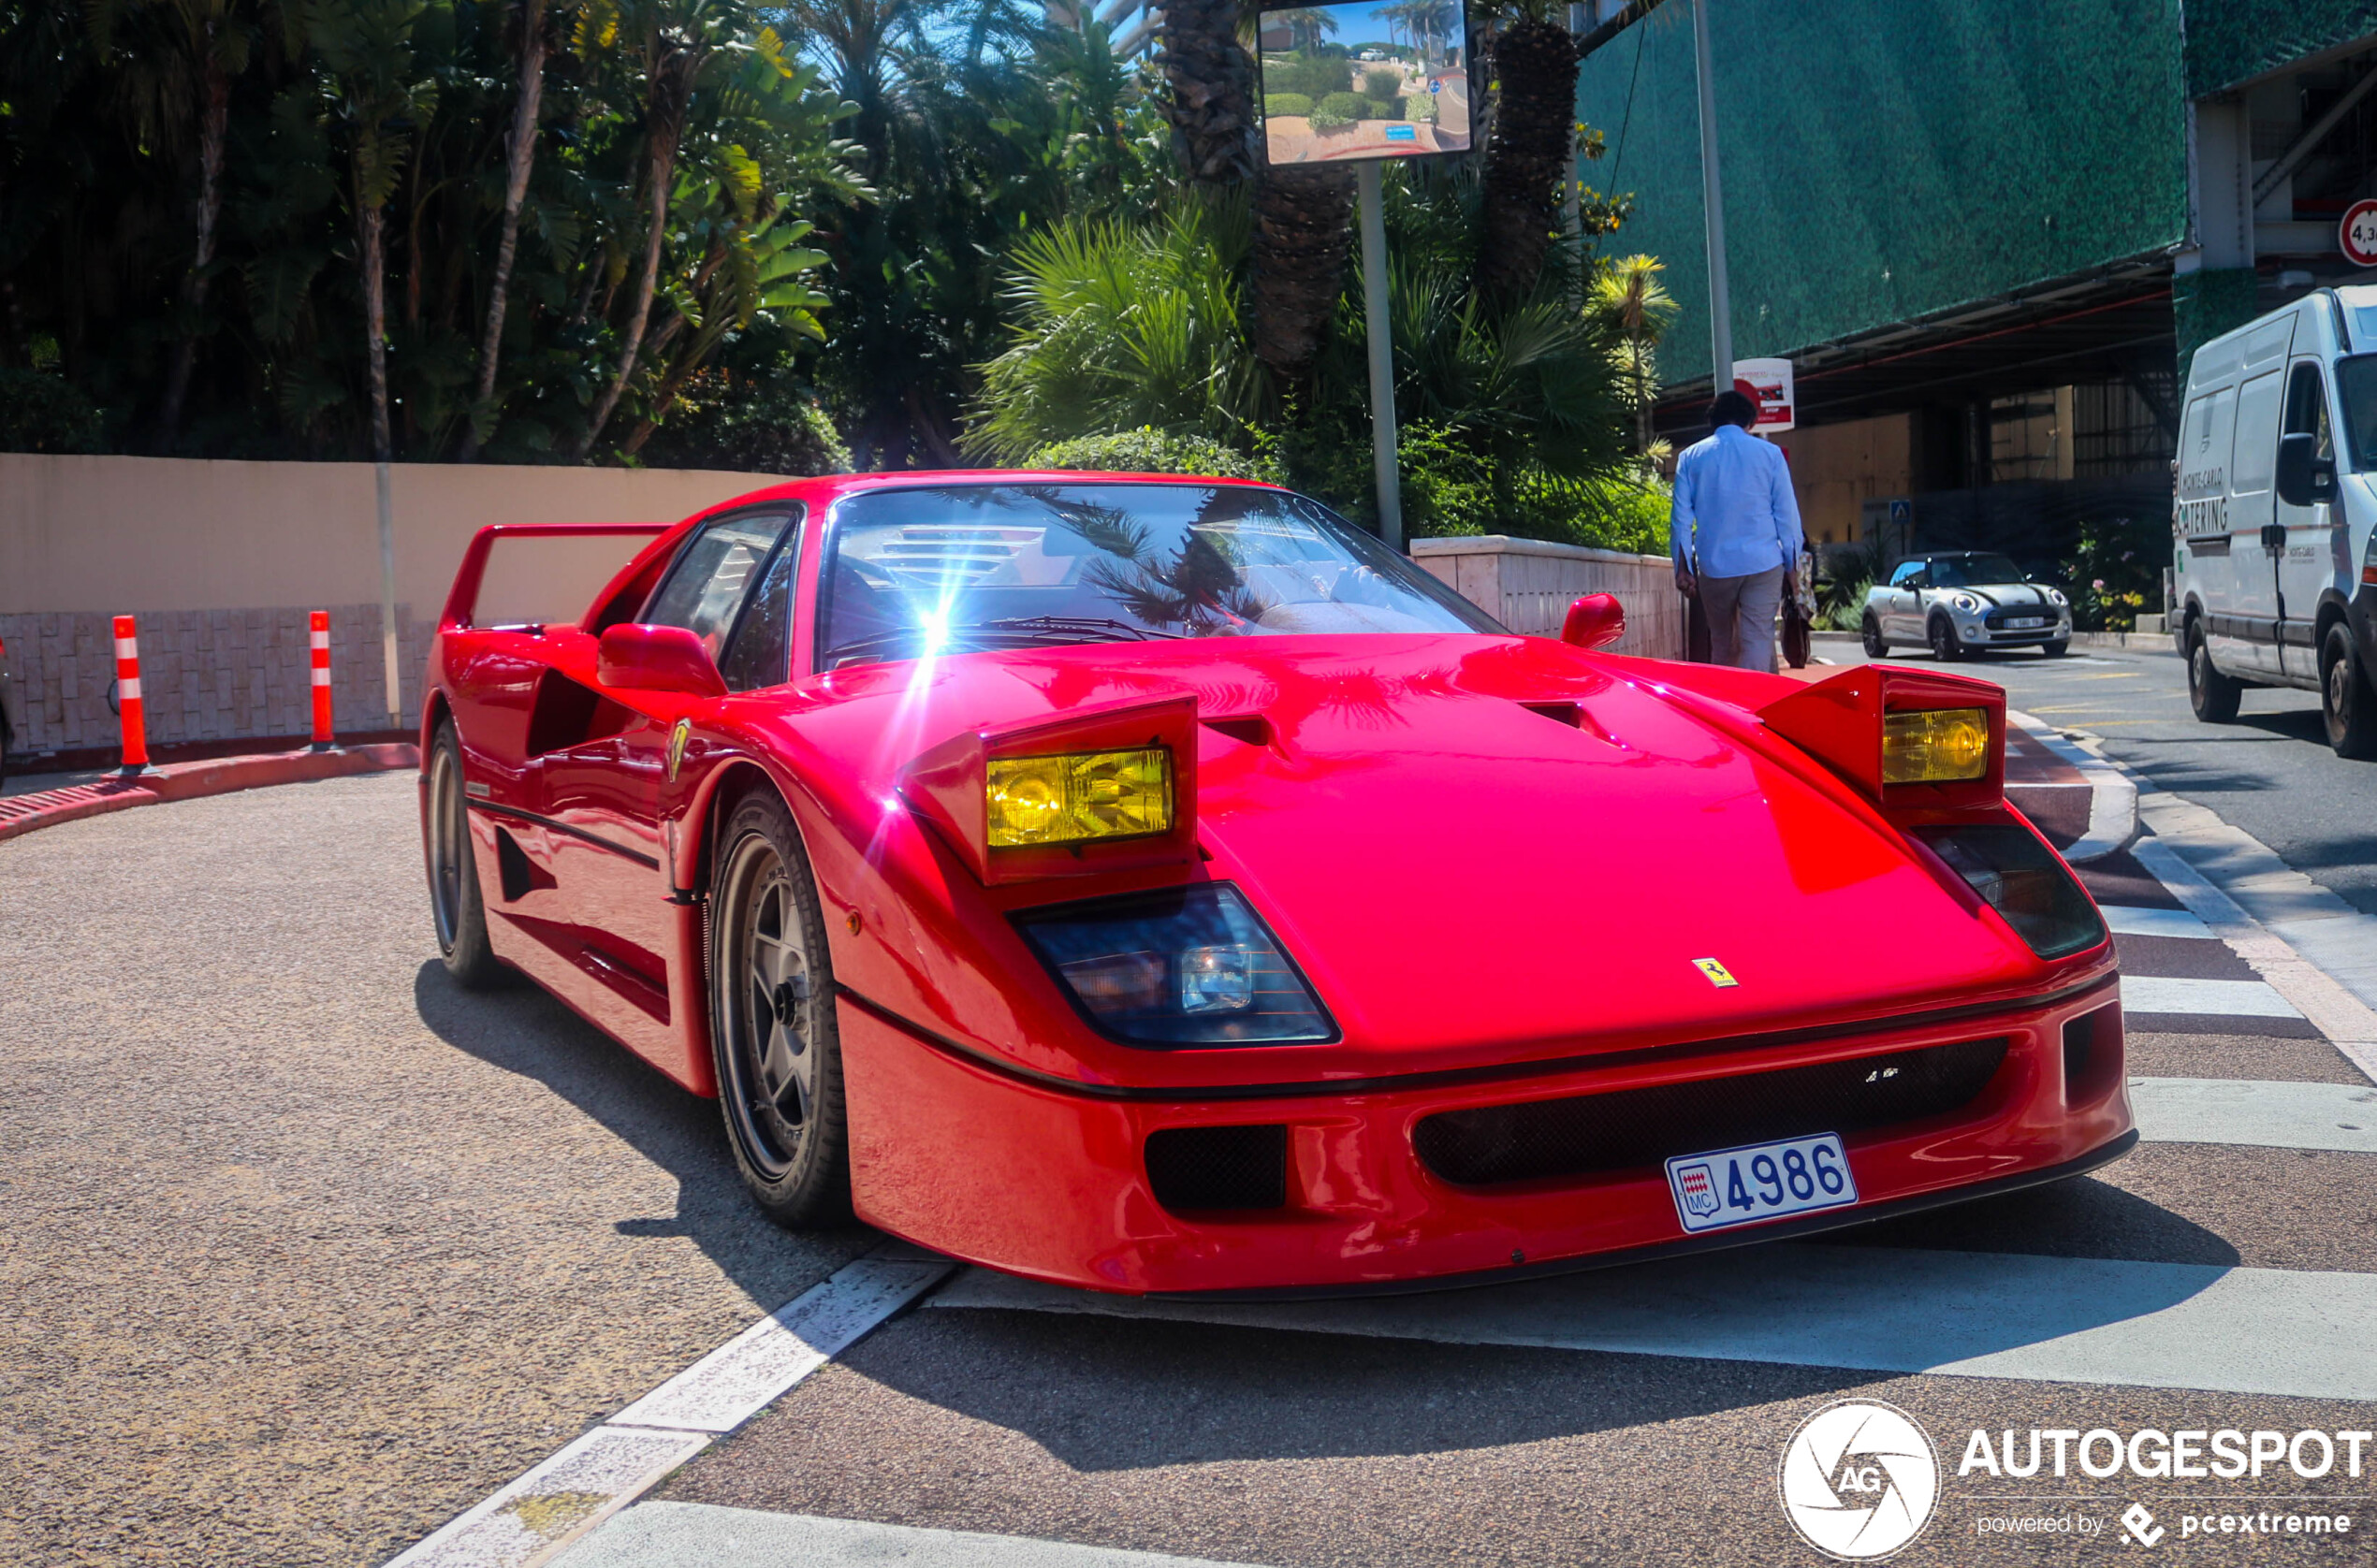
(772, 1025)
(2345, 701)
(1942, 636)
(2212, 695)
(1876, 645)
(2057, 648)
(457, 910)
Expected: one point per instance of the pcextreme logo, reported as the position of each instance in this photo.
(1859, 1480)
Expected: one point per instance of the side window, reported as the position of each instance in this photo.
(761, 649)
(1909, 574)
(2256, 454)
(705, 584)
(2307, 407)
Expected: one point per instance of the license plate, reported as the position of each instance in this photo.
(1761, 1182)
(2021, 621)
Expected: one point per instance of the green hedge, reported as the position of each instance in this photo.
(1382, 84)
(1285, 104)
(1343, 106)
(1148, 450)
(42, 413)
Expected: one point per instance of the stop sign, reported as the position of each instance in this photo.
(2357, 234)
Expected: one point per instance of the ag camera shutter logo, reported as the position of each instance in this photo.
(1859, 1480)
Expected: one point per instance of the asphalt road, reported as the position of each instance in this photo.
(303, 1250)
(2270, 772)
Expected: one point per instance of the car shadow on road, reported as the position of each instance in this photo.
(521, 1029)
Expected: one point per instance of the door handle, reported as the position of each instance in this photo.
(2274, 537)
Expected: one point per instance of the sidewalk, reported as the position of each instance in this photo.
(219, 775)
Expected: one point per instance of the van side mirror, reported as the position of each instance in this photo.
(1595, 621)
(639, 658)
(2304, 477)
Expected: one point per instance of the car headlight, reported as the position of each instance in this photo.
(1078, 795)
(2057, 596)
(1965, 602)
(1935, 745)
(1180, 967)
(2023, 881)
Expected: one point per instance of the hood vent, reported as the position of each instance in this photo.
(1252, 728)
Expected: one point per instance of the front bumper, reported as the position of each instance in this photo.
(1051, 1184)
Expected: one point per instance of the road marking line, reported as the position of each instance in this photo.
(2233, 998)
(1884, 1309)
(2257, 1113)
(2132, 920)
(2349, 1024)
(533, 1517)
(703, 1535)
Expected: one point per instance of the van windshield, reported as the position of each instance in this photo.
(2356, 383)
(963, 567)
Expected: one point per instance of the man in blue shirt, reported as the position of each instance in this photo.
(1734, 529)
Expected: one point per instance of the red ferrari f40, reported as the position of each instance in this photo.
(1155, 884)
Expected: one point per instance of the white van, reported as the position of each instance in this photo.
(2276, 574)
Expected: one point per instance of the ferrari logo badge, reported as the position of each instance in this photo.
(677, 752)
(1719, 975)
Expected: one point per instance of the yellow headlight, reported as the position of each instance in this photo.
(1935, 745)
(1080, 795)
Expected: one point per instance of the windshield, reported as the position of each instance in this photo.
(2356, 383)
(961, 567)
(1956, 572)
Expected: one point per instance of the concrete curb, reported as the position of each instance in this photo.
(2112, 804)
(221, 775)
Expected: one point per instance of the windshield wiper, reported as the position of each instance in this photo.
(1021, 631)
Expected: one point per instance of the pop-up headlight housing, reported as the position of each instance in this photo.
(1111, 787)
(1906, 738)
(1183, 966)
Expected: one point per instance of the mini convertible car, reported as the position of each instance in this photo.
(1958, 602)
(1157, 885)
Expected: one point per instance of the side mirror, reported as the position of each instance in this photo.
(639, 658)
(1595, 621)
(2304, 477)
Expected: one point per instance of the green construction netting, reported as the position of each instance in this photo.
(2229, 40)
(1885, 159)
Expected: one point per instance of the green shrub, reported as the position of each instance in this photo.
(1381, 85)
(1284, 104)
(1149, 450)
(42, 413)
(746, 424)
(1420, 107)
(1315, 77)
(1339, 109)
(1448, 488)
(1380, 108)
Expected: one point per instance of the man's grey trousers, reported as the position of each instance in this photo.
(1741, 612)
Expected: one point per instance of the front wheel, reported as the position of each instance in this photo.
(2345, 701)
(1942, 640)
(772, 1026)
(2212, 695)
(455, 903)
(1876, 645)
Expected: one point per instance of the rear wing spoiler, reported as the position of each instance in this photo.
(462, 600)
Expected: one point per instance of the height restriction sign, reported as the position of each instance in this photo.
(2357, 234)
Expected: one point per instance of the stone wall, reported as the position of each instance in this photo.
(1528, 585)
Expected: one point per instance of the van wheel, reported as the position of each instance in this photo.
(1942, 640)
(2212, 695)
(2345, 701)
(1876, 645)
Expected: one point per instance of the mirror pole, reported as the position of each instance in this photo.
(1382, 335)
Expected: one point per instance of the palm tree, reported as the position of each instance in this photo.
(1627, 296)
(1529, 151)
(1211, 102)
(519, 159)
(1306, 24)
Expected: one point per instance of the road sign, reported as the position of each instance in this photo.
(2357, 233)
(1767, 383)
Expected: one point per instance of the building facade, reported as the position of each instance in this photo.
(1988, 235)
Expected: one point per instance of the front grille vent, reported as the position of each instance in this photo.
(1220, 1167)
(1630, 1128)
